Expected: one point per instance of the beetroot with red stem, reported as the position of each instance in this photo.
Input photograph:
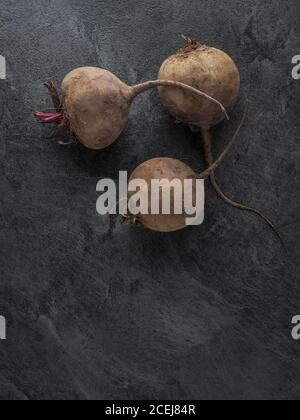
(96, 104)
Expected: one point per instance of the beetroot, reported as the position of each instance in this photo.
(96, 104)
(161, 169)
(215, 73)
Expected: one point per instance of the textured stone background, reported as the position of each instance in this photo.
(100, 311)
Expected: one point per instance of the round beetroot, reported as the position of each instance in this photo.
(214, 72)
(204, 68)
(162, 169)
(96, 104)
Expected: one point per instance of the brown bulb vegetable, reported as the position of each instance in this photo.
(96, 104)
(161, 169)
(206, 69)
(214, 72)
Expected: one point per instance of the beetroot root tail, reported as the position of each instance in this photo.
(240, 206)
(207, 144)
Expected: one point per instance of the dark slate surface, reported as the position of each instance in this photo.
(114, 312)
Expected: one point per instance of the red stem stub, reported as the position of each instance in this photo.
(52, 117)
(191, 44)
(54, 95)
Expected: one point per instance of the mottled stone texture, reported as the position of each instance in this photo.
(100, 310)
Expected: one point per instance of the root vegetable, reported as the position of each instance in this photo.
(96, 104)
(203, 68)
(215, 73)
(171, 169)
(163, 169)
